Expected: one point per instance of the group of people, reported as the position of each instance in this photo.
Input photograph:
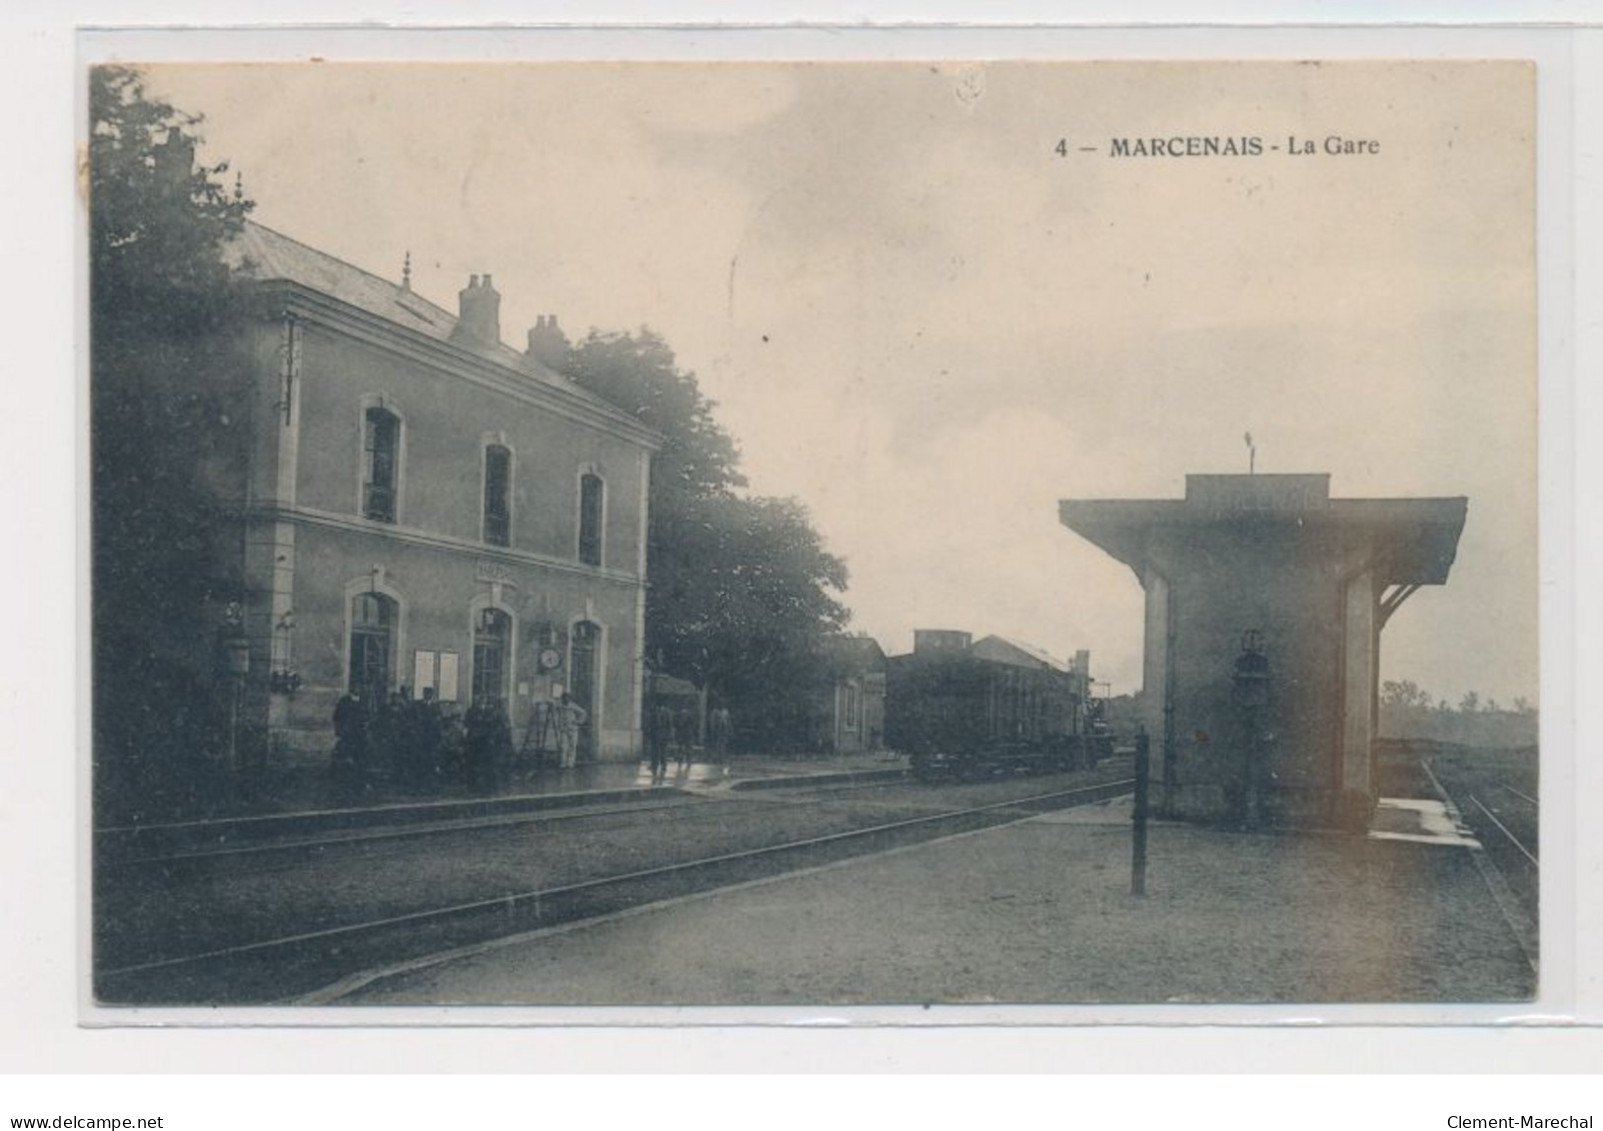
(400, 738)
(671, 735)
(395, 737)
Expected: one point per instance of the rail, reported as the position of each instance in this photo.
(679, 798)
(389, 832)
(520, 911)
(1514, 840)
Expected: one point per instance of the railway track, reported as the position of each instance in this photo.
(1518, 844)
(1507, 832)
(293, 964)
(337, 838)
(118, 843)
(684, 801)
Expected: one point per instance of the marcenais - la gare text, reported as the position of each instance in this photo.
(1331, 145)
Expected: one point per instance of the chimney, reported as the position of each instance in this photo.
(548, 345)
(479, 322)
(1082, 673)
(944, 640)
(175, 159)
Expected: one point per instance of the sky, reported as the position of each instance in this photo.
(926, 323)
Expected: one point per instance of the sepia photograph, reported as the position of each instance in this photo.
(732, 534)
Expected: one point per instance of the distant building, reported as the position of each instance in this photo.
(1005, 651)
(928, 641)
(1265, 600)
(849, 710)
(426, 508)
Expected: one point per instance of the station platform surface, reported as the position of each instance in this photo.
(1035, 912)
(307, 791)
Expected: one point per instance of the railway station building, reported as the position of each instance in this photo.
(426, 508)
(1265, 601)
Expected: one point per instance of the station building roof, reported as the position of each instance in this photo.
(1415, 539)
(265, 255)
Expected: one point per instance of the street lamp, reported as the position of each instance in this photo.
(283, 678)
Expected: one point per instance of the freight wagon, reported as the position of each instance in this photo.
(985, 709)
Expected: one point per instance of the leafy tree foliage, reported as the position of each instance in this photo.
(1409, 711)
(1404, 693)
(639, 374)
(742, 591)
(158, 221)
(165, 411)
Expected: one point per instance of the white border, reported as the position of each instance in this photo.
(41, 982)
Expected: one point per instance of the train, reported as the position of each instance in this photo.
(962, 709)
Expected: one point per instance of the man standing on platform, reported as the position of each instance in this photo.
(719, 728)
(570, 717)
(659, 736)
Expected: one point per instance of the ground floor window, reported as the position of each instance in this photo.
(372, 659)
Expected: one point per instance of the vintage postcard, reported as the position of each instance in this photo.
(952, 534)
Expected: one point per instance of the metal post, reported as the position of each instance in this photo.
(236, 658)
(1138, 845)
(1252, 816)
(233, 723)
(1251, 678)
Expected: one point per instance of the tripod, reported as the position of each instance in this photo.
(540, 737)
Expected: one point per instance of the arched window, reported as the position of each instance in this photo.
(492, 646)
(592, 498)
(372, 660)
(381, 449)
(498, 495)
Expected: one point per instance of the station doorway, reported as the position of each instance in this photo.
(582, 685)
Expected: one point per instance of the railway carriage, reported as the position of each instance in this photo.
(974, 710)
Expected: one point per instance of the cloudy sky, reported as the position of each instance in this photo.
(923, 321)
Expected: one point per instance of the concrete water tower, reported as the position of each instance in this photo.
(1308, 582)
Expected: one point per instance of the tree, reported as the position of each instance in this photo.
(742, 591)
(1405, 694)
(638, 373)
(765, 595)
(158, 222)
(1470, 703)
(164, 415)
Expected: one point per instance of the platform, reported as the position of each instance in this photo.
(1037, 912)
